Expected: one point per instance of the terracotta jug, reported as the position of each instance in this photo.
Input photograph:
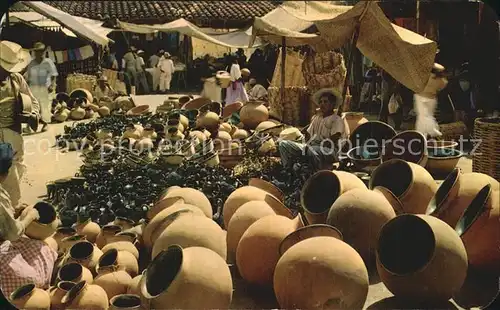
(409, 145)
(107, 231)
(396, 204)
(430, 262)
(134, 286)
(258, 250)
(123, 222)
(190, 230)
(45, 226)
(57, 293)
(126, 302)
(74, 272)
(122, 260)
(161, 205)
(68, 242)
(85, 296)
(30, 297)
(192, 278)
(411, 183)
(359, 215)
(253, 113)
(123, 241)
(86, 254)
(268, 187)
(315, 259)
(479, 230)
(89, 229)
(158, 223)
(63, 232)
(354, 120)
(238, 198)
(209, 120)
(113, 280)
(193, 197)
(322, 189)
(240, 134)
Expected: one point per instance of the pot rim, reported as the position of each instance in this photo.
(350, 156)
(307, 228)
(66, 266)
(399, 207)
(58, 286)
(308, 183)
(483, 196)
(435, 209)
(458, 155)
(83, 258)
(74, 291)
(29, 287)
(133, 296)
(412, 176)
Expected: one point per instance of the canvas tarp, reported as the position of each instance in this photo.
(87, 30)
(405, 55)
(235, 39)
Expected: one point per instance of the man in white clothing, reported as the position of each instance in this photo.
(154, 60)
(140, 67)
(167, 69)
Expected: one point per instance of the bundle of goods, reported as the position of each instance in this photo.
(324, 70)
(78, 80)
(293, 70)
(296, 108)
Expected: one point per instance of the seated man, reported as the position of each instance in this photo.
(103, 89)
(322, 135)
(256, 91)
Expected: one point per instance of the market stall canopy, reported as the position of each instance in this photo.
(37, 20)
(405, 55)
(235, 39)
(88, 29)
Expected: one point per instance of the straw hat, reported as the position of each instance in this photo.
(291, 134)
(39, 46)
(167, 54)
(317, 95)
(13, 58)
(245, 72)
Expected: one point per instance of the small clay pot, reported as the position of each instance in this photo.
(30, 297)
(74, 272)
(106, 232)
(112, 279)
(45, 226)
(57, 293)
(409, 145)
(88, 229)
(253, 113)
(123, 241)
(63, 232)
(85, 296)
(120, 260)
(86, 254)
(68, 242)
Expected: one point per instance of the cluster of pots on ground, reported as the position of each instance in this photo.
(419, 238)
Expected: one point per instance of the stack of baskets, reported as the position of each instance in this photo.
(74, 81)
(486, 157)
(324, 70)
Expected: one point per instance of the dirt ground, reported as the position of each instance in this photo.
(45, 163)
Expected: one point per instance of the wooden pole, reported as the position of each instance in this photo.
(418, 16)
(283, 60)
(355, 37)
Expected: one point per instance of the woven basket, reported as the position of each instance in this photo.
(453, 131)
(322, 63)
(74, 81)
(296, 108)
(486, 157)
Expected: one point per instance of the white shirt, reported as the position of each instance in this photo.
(235, 72)
(139, 63)
(166, 65)
(322, 128)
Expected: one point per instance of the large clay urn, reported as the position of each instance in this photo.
(57, 293)
(420, 257)
(359, 215)
(258, 250)
(88, 229)
(126, 302)
(111, 276)
(30, 297)
(322, 189)
(63, 232)
(189, 230)
(84, 296)
(86, 254)
(354, 120)
(74, 272)
(122, 260)
(161, 205)
(268, 187)
(192, 278)
(123, 241)
(107, 231)
(411, 183)
(253, 113)
(193, 197)
(68, 242)
(317, 270)
(480, 232)
(46, 225)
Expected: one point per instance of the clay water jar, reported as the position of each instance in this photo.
(397, 206)
(191, 278)
(57, 293)
(209, 120)
(193, 197)
(322, 189)
(411, 183)
(189, 230)
(107, 231)
(198, 136)
(125, 302)
(84, 296)
(457, 192)
(354, 120)
(258, 250)
(268, 187)
(420, 257)
(30, 297)
(74, 272)
(253, 113)
(162, 204)
(89, 229)
(318, 270)
(123, 222)
(240, 134)
(63, 232)
(45, 226)
(122, 260)
(409, 145)
(479, 230)
(359, 215)
(112, 277)
(123, 241)
(68, 242)
(86, 254)
(134, 287)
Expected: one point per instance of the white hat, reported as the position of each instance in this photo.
(140, 52)
(317, 95)
(13, 58)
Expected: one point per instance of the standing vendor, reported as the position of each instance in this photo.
(13, 59)
(167, 69)
(41, 75)
(236, 91)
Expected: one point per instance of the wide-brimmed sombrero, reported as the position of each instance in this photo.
(13, 58)
(317, 95)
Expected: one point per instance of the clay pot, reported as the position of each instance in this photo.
(267, 145)
(77, 113)
(354, 120)
(480, 232)
(430, 262)
(193, 197)
(441, 162)
(63, 232)
(240, 134)
(68, 242)
(74, 272)
(322, 189)
(51, 242)
(134, 286)
(409, 145)
(411, 183)
(258, 250)
(112, 279)
(132, 132)
(397, 206)
(122, 260)
(322, 263)
(88, 229)
(209, 120)
(62, 115)
(125, 302)
(457, 192)
(106, 232)
(192, 278)
(253, 113)
(198, 136)
(123, 222)
(162, 204)
(85, 296)
(123, 241)
(86, 254)
(268, 187)
(30, 297)
(57, 293)
(359, 215)
(225, 127)
(190, 230)
(45, 226)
